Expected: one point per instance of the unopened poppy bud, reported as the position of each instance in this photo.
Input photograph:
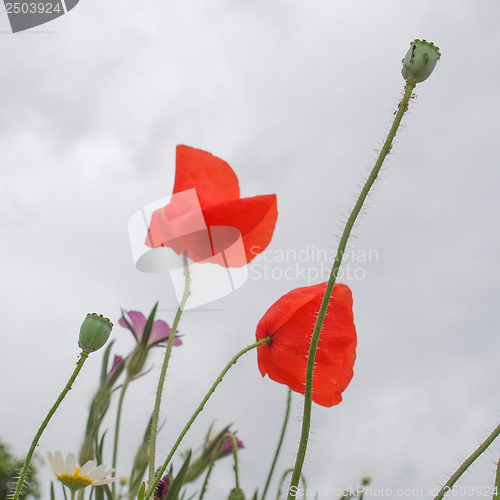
(236, 494)
(420, 61)
(94, 332)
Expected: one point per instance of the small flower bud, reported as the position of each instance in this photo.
(420, 61)
(162, 488)
(136, 360)
(366, 480)
(236, 494)
(94, 332)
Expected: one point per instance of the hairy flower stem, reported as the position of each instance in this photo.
(22, 477)
(455, 477)
(117, 428)
(282, 480)
(235, 454)
(306, 421)
(215, 456)
(198, 410)
(163, 373)
(280, 443)
(496, 491)
(210, 467)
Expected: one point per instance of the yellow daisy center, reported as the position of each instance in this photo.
(74, 481)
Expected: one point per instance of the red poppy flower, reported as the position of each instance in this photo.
(206, 215)
(290, 323)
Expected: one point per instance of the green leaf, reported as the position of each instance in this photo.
(105, 362)
(175, 487)
(149, 326)
(99, 448)
(99, 493)
(142, 492)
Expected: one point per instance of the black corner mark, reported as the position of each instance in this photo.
(26, 14)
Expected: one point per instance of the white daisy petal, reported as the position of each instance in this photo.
(59, 462)
(52, 463)
(87, 467)
(102, 482)
(73, 475)
(98, 473)
(71, 463)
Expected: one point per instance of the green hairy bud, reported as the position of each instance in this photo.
(236, 494)
(420, 61)
(94, 332)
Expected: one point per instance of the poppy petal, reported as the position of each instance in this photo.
(213, 179)
(290, 322)
(253, 217)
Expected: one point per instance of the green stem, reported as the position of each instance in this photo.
(117, 429)
(210, 467)
(280, 443)
(455, 477)
(235, 454)
(163, 373)
(83, 357)
(496, 491)
(283, 477)
(198, 410)
(215, 456)
(306, 421)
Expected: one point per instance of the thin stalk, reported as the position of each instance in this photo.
(280, 443)
(283, 477)
(117, 429)
(496, 491)
(456, 476)
(198, 410)
(22, 477)
(235, 455)
(73, 493)
(214, 458)
(306, 421)
(163, 373)
(210, 467)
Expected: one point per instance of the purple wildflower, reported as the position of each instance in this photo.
(159, 333)
(162, 488)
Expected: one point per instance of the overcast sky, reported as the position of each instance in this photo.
(297, 97)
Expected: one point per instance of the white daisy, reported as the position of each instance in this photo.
(75, 478)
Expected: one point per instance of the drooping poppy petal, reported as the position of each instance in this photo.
(254, 218)
(213, 179)
(290, 322)
(206, 216)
